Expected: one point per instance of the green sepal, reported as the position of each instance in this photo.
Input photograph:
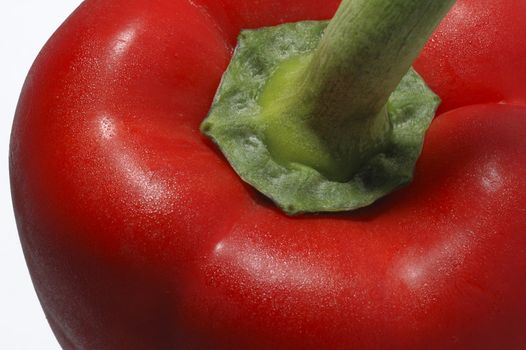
(232, 125)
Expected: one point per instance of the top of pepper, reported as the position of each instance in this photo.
(328, 117)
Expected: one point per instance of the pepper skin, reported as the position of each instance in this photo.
(477, 54)
(139, 235)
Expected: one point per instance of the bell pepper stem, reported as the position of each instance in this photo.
(336, 118)
(324, 117)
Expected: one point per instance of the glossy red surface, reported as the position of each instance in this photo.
(138, 234)
(477, 55)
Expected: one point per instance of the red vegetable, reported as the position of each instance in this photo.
(477, 54)
(139, 235)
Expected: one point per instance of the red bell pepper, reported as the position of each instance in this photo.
(139, 235)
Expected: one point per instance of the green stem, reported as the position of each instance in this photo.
(336, 120)
(329, 121)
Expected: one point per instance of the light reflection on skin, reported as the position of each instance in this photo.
(416, 268)
(492, 180)
(436, 265)
(153, 192)
(122, 42)
(269, 268)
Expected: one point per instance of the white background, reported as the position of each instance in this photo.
(25, 25)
